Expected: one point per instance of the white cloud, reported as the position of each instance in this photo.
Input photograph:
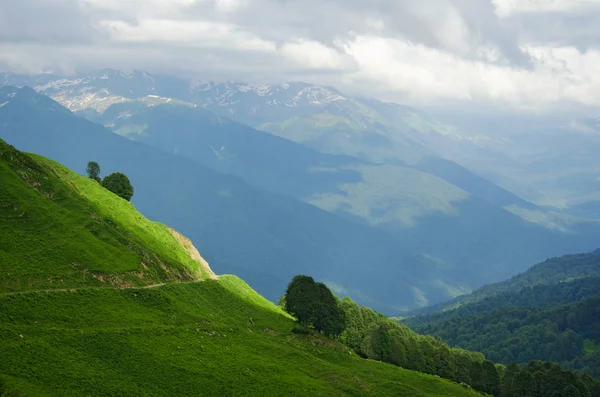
(187, 33)
(468, 51)
(312, 54)
(506, 8)
(429, 74)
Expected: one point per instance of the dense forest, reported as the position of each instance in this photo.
(557, 322)
(374, 336)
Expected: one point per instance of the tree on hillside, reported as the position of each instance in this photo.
(313, 304)
(93, 171)
(119, 184)
(570, 391)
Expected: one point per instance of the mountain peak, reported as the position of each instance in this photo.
(27, 96)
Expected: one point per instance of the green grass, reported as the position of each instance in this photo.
(213, 338)
(63, 236)
(59, 229)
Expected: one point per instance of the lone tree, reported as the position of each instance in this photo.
(119, 184)
(313, 304)
(93, 171)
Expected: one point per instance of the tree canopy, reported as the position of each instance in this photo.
(93, 171)
(119, 184)
(313, 304)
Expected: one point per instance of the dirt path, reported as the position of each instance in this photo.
(83, 288)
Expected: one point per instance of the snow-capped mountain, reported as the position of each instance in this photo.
(95, 89)
(299, 111)
(330, 121)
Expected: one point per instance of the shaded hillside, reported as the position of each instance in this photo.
(548, 313)
(469, 226)
(212, 338)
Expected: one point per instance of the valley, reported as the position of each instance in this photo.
(406, 202)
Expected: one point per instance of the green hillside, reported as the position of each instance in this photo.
(97, 300)
(551, 312)
(63, 230)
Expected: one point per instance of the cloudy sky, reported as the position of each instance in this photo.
(522, 54)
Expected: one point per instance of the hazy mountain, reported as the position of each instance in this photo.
(550, 160)
(454, 221)
(451, 227)
(262, 236)
(317, 116)
(552, 271)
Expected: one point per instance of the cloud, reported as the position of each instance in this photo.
(313, 55)
(506, 8)
(201, 34)
(519, 53)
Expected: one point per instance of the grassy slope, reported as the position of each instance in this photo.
(63, 230)
(211, 338)
(218, 337)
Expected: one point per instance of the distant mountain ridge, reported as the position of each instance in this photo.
(265, 237)
(472, 237)
(550, 272)
(551, 312)
(546, 160)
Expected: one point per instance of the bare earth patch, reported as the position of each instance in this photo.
(186, 243)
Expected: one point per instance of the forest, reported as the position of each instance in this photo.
(374, 336)
(558, 323)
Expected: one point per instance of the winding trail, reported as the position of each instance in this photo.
(85, 288)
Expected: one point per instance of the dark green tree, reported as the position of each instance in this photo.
(512, 370)
(119, 184)
(524, 384)
(570, 391)
(93, 171)
(381, 343)
(477, 376)
(313, 304)
(491, 379)
(444, 362)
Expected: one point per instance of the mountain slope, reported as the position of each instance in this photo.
(549, 312)
(556, 323)
(97, 247)
(547, 273)
(265, 237)
(411, 202)
(336, 183)
(101, 337)
(319, 117)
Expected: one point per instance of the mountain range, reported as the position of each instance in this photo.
(366, 169)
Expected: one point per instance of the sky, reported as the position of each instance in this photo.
(521, 54)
